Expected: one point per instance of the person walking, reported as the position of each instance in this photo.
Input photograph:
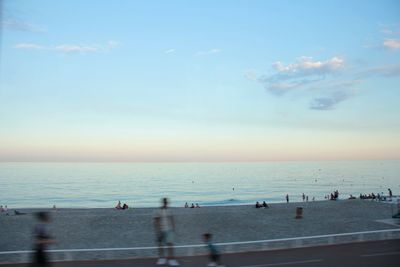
(164, 225)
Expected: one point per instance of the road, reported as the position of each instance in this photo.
(376, 253)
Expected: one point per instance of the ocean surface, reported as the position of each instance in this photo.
(89, 185)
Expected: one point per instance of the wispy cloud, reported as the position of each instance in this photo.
(392, 44)
(251, 75)
(18, 25)
(169, 51)
(329, 102)
(208, 52)
(303, 72)
(70, 48)
(392, 70)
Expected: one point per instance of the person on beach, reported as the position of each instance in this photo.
(118, 207)
(390, 193)
(197, 205)
(192, 206)
(42, 240)
(258, 205)
(287, 198)
(265, 205)
(1, 208)
(213, 253)
(164, 225)
(186, 205)
(304, 197)
(125, 206)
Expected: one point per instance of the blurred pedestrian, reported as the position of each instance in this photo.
(42, 240)
(164, 225)
(213, 253)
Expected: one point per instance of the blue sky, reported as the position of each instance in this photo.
(199, 81)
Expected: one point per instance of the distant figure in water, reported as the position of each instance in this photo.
(313, 198)
(287, 198)
(197, 205)
(42, 240)
(265, 205)
(390, 193)
(192, 206)
(186, 205)
(125, 206)
(304, 197)
(258, 205)
(118, 207)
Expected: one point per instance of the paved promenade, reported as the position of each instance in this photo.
(376, 253)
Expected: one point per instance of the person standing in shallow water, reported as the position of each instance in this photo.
(42, 240)
(287, 198)
(164, 226)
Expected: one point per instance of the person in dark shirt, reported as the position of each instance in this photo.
(42, 240)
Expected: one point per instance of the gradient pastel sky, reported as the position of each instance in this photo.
(199, 80)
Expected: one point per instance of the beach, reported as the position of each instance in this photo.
(111, 228)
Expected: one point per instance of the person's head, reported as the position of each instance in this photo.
(207, 237)
(43, 216)
(164, 202)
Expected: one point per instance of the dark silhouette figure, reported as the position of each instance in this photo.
(42, 240)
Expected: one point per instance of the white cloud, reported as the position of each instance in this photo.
(302, 73)
(307, 64)
(70, 48)
(392, 44)
(169, 51)
(208, 52)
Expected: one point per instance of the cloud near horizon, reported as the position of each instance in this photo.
(70, 48)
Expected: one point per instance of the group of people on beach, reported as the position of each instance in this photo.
(378, 196)
(192, 206)
(333, 196)
(263, 205)
(4, 209)
(123, 207)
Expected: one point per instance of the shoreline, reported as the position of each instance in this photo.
(394, 200)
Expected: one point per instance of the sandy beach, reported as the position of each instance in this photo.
(109, 228)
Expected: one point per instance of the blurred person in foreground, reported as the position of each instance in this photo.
(164, 225)
(213, 253)
(42, 240)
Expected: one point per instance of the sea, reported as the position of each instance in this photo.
(102, 185)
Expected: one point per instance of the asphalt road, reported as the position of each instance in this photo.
(376, 253)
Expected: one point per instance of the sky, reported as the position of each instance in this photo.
(199, 80)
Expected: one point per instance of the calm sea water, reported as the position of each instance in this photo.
(143, 184)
